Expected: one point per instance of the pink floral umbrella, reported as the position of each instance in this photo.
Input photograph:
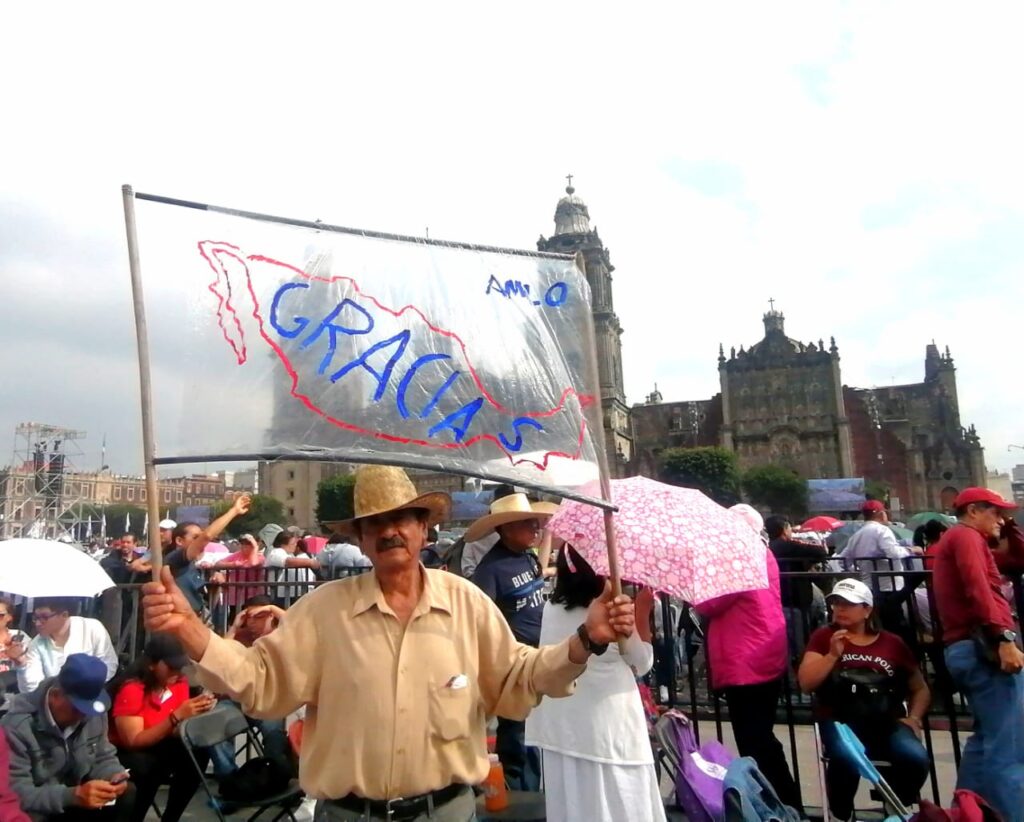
(673, 539)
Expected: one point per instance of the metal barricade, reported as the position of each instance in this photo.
(903, 599)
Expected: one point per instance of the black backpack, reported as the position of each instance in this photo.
(864, 698)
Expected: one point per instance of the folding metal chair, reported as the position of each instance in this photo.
(868, 769)
(224, 723)
(666, 753)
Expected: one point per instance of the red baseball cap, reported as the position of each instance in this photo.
(872, 506)
(969, 495)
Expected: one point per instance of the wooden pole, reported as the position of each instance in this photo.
(145, 382)
(614, 575)
(613, 548)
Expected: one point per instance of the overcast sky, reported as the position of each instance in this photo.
(858, 162)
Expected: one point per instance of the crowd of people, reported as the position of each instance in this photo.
(398, 672)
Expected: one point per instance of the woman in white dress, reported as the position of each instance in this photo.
(598, 762)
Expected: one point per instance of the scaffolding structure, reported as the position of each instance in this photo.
(39, 494)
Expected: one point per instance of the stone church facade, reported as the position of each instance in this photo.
(783, 402)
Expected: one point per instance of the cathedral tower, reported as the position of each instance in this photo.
(574, 234)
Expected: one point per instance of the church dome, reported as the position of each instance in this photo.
(571, 214)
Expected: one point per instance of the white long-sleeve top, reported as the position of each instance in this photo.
(868, 549)
(45, 658)
(604, 719)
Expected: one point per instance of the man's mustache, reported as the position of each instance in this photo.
(390, 542)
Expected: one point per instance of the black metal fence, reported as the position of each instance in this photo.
(681, 675)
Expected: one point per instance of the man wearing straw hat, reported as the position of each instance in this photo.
(398, 668)
(510, 574)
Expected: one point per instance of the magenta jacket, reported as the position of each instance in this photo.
(746, 636)
(10, 806)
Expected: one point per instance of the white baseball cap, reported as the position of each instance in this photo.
(168, 524)
(853, 591)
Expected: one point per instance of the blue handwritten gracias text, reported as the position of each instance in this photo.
(380, 359)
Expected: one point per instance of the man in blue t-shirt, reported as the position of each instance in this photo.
(511, 576)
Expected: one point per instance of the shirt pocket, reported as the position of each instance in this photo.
(451, 712)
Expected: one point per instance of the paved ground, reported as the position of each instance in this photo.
(806, 761)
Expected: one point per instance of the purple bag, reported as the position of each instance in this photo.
(701, 776)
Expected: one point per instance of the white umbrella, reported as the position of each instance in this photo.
(43, 568)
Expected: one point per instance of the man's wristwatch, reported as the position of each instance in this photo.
(595, 648)
(1007, 636)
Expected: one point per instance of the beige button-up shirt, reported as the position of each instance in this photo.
(392, 711)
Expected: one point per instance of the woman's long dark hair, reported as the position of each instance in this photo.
(575, 588)
(141, 669)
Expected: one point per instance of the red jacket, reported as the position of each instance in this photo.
(10, 806)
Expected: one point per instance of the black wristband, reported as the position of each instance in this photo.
(591, 647)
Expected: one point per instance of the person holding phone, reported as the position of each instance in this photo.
(147, 710)
(62, 765)
(13, 645)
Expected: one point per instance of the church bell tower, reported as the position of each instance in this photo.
(573, 234)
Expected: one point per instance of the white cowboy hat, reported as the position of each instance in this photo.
(380, 489)
(513, 508)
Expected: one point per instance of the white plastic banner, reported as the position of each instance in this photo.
(270, 340)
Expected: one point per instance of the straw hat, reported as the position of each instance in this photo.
(513, 508)
(383, 488)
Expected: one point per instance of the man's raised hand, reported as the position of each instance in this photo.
(609, 617)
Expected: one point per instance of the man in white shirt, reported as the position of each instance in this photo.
(58, 636)
(339, 558)
(292, 568)
(874, 548)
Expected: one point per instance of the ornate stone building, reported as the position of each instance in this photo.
(783, 402)
(911, 437)
(573, 234)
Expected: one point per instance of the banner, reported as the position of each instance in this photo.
(831, 495)
(272, 340)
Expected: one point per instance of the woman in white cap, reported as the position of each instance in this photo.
(868, 679)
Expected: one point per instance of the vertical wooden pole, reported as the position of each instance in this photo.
(145, 382)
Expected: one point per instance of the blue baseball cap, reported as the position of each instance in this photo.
(83, 680)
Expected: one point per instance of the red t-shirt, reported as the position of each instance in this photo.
(154, 708)
(888, 655)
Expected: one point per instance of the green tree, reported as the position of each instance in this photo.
(781, 490)
(876, 489)
(334, 499)
(711, 470)
(263, 511)
(115, 515)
